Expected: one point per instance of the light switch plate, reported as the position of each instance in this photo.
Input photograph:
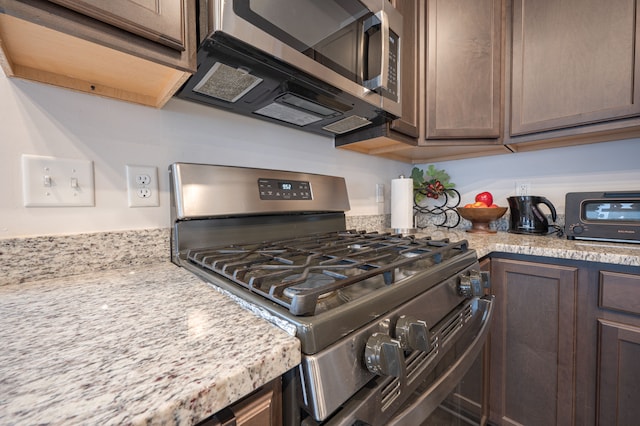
(57, 182)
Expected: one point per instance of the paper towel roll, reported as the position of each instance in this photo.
(402, 203)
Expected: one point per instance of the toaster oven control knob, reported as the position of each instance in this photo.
(577, 229)
(473, 283)
(413, 334)
(383, 355)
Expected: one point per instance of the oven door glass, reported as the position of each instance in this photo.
(332, 32)
(467, 404)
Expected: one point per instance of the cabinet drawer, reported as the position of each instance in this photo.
(620, 292)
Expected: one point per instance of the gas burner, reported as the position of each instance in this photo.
(307, 282)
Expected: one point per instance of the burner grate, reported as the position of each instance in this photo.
(324, 270)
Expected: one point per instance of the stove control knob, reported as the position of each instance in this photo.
(383, 355)
(473, 283)
(413, 334)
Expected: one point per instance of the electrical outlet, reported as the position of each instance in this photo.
(142, 186)
(379, 192)
(144, 192)
(523, 188)
(57, 182)
(143, 179)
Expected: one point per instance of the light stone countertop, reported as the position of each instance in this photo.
(142, 345)
(543, 245)
(150, 343)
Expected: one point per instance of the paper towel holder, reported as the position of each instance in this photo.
(403, 219)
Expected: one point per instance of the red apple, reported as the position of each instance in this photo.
(485, 197)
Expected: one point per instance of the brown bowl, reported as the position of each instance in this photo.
(480, 218)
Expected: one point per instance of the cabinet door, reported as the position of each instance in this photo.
(533, 343)
(261, 408)
(158, 20)
(463, 71)
(619, 374)
(409, 71)
(574, 62)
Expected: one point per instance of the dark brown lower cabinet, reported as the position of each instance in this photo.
(619, 374)
(565, 343)
(263, 407)
(618, 365)
(533, 343)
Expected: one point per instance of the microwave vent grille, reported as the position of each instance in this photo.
(347, 124)
(226, 83)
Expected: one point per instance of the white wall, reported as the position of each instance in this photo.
(552, 173)
(44, 120)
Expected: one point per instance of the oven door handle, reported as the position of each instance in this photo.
(438, 391)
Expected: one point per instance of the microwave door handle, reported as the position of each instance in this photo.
(380, 19)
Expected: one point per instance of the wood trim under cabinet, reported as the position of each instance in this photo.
(44, 42)
(37, 53)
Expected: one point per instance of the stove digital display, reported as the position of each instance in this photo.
(273, 189)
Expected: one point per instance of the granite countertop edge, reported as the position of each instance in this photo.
(542, 245)
(140, 345)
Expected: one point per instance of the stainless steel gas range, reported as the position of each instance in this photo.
(388, 324)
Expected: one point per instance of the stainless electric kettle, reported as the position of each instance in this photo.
(526, 217)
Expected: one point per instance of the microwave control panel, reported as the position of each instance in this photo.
(394, 54)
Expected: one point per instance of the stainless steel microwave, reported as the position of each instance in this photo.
(607, 216)
(328, 67)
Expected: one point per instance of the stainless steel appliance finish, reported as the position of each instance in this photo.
(387, 323)
(202, 191)
(325, 67)
(607, 216)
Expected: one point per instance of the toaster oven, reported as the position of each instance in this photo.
(608, 216)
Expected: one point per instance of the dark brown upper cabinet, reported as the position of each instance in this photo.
(574, 62)
(451, 84)
(409, 123)
(463, 69)
(158, 20)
